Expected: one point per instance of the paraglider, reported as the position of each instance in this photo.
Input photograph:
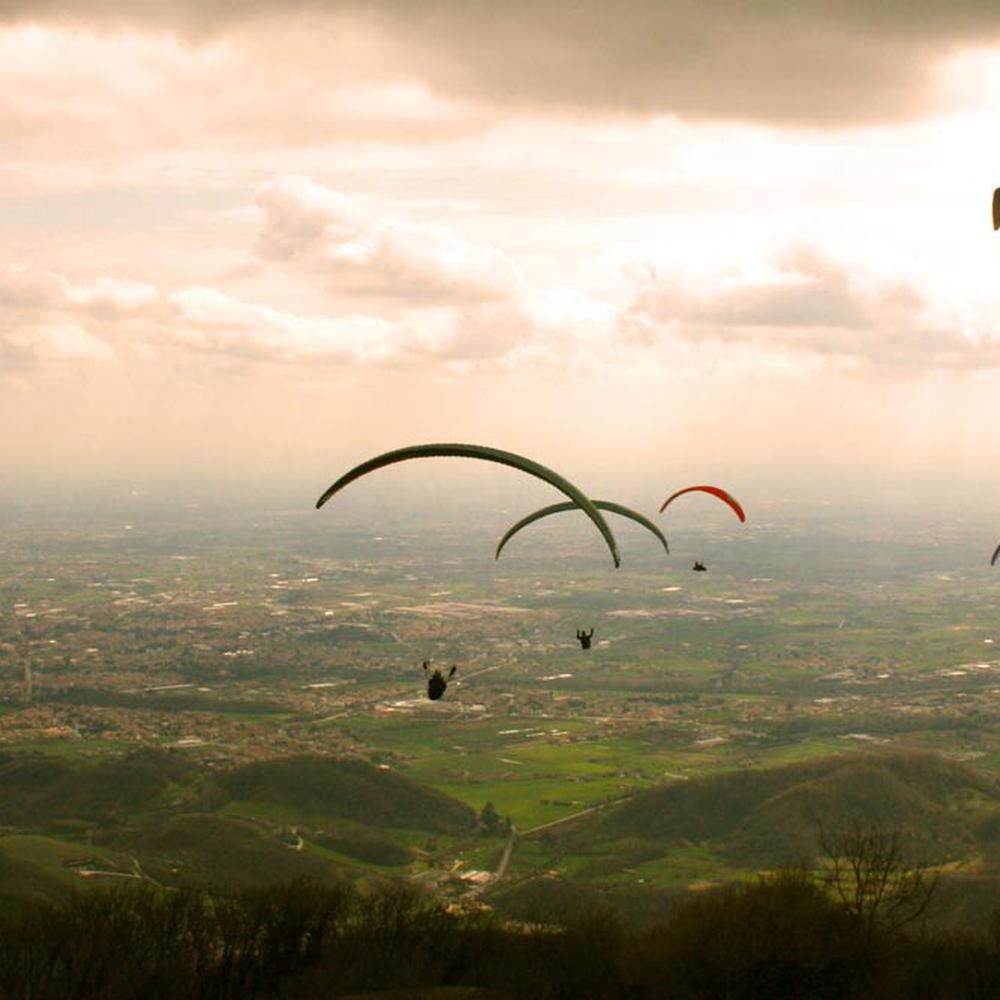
(996, 554)
(557, 508)
(996, 209)
(584, 638)
(715, 491)
(486, 454)
(436, 682)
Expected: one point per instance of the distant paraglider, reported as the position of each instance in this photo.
(715, 491)
(584, 638)
(578, 498)
(996, 209)
(437, 684)
(557, 508)
(996, 555)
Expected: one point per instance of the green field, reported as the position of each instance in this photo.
(226, 645)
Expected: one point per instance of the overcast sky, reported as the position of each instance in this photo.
(638, 241)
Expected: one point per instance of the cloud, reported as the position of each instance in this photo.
(51, 342)
(212, 322)
(484, 335)
(46, 318)
(803, 290)
(80, 95)
(34, 290)
(43, 316)
(805, 303)
(846, 61)
(396, 293)
(28, 288)
(337, 237)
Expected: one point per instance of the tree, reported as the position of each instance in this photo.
(489, 819)
(871, 878)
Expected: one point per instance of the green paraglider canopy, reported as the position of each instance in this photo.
(556, 508)
(578, 498)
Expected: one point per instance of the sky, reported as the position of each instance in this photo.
(243, 246)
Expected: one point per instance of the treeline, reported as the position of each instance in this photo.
(782, 936)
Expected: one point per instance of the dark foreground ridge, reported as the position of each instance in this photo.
(781, 936)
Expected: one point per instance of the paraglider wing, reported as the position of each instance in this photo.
(996, 209)
(715, 491)
(996, 554)
(489, 455)
(556, 508)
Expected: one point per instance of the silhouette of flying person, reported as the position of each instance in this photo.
(436, 683)
(699, 567)
(584, 638)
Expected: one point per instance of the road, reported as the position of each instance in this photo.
(505, 857)
(567, 819)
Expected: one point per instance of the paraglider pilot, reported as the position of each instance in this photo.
(436, 683)
(584, 638)
(700, 567)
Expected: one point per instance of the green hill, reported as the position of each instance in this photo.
(362, 844)
(202, 849)
(36, 790)
(327, 789)
(769, 817)
(39, 792)
(46, 868)
(787, 827)
(186, 824)
(724, 827)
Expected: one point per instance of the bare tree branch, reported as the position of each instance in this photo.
(870, 877)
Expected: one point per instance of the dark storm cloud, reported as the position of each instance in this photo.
(783, 61)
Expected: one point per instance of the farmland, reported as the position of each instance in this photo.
(226, 644)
